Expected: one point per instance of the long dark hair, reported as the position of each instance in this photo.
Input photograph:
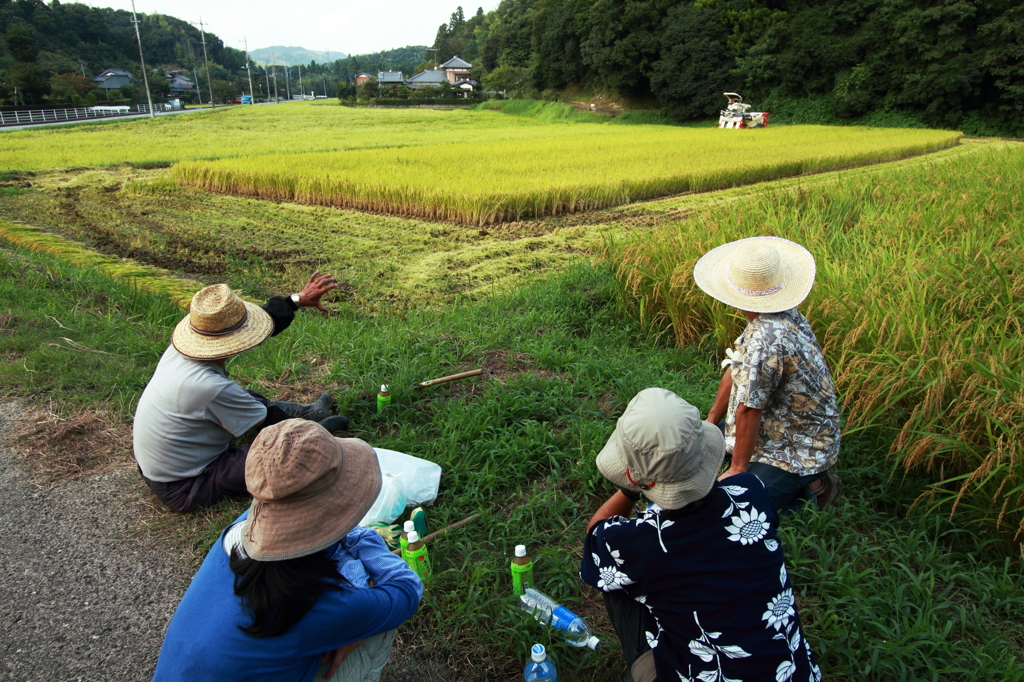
(279, 593)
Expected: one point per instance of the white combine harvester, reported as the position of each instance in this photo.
(738, 114)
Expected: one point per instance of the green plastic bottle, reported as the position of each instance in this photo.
(403, 539)
(522, 571)
(383, 398)
(416, 556)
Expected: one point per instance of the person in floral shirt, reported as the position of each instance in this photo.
(695, 584)
(776, 395)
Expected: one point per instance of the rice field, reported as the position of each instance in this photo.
(918, 303)
(294, 127)
(510, 180)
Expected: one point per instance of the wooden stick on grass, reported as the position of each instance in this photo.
(431, 536)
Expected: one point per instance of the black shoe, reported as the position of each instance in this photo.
(316, 412)
(338, 422)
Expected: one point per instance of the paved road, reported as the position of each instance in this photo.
(80, 597)
(107, 119)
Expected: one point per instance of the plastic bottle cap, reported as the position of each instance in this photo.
(383, 388)
(593, 643)
(410, 526)
(413, 536)
(538, 654)
(520, 550)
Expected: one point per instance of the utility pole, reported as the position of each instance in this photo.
(145, 78)
(273, 60)
(288, 81)
(300, 79)
(206, 59)
(327, 64)
(248, 71)
(266, 74)
(199, 93)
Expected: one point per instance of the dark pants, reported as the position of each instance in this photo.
(631, 620)
(789, 492)
(223, 477)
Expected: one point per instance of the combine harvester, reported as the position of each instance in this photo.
(738, 114)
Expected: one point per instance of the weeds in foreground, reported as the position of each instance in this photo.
(918, 303)
(883, 597)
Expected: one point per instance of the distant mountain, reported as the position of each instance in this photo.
(293, 56)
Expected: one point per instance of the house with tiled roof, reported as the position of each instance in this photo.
(427, 79)
(112, 79)
(362, 78)
(456, 69)
(390, 78)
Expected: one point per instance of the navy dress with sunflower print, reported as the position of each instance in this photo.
(713, 579)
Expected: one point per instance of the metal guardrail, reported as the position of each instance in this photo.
(12, 118)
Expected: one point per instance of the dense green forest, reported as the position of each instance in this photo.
(49, 53)
(951, 63)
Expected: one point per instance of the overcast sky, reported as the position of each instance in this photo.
(319, 25)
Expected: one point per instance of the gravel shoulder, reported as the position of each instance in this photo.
(83, 597)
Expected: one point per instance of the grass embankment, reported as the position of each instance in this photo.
(883, 597)
(525, 179)
(918, 303)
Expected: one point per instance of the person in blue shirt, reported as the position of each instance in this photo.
(294, 590)
(695, 584)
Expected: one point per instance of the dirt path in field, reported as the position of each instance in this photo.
(82, 597)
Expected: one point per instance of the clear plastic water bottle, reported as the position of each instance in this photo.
(539, 668)
(569, 625)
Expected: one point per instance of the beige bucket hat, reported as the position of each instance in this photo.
(220, 324)
(759, 274)
(662, 448)
(309, 489)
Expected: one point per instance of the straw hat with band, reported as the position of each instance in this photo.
(220, 324)
(662, 448)
(759, 274)
(309, 489)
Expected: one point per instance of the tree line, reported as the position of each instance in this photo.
(953, 63)
(50, 52)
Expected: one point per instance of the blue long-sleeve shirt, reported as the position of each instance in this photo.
(203, 641)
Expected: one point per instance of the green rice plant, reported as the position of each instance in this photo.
(918, 303)
(508, 180)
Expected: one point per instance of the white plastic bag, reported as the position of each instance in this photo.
(417, 478)
(390, 504)
(407, 482)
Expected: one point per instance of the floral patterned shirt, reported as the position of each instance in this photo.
(714, 582)
(778, 367)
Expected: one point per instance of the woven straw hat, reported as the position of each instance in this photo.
(220, 324)
(759, 274)
(662, 448)
(309, 489)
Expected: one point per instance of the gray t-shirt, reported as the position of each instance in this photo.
(187, 416)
